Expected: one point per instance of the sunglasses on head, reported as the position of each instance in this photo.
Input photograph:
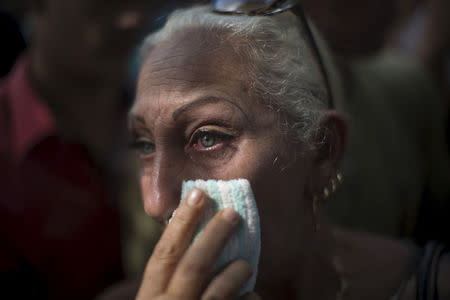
(272, 7)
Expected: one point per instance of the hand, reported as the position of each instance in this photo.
(179, 270)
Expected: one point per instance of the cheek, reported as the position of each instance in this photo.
(279, 184)
(251, 160)
(280, 195)
(285, 215)
(263, 163)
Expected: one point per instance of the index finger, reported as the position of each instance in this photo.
(172, 245)
(194, 269)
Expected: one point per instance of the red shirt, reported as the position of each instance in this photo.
(59, 224)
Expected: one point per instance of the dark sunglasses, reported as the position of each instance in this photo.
(272, 7)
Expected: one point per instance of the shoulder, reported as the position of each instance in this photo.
(376, 265)
(431, 277)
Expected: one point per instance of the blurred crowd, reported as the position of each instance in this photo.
(71, 217)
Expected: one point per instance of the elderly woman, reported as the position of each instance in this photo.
(225, 96)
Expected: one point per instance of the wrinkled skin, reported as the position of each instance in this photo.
(196, 117)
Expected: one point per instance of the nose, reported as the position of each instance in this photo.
(161, 186)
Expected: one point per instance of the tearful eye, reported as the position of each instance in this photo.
(207, 140)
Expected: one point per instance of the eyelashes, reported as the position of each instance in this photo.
(205, 140)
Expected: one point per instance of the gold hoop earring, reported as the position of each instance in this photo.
(332, 187)
(326, 193)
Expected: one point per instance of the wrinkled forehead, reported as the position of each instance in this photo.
(193, 58)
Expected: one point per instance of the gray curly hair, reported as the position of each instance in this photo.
(283, 71)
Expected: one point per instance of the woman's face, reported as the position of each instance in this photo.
(195, 118)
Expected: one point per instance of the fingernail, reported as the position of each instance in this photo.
(194, 197)
(230, 215)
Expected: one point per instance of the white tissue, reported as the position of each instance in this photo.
(245, 243)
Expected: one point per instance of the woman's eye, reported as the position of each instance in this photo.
(209, 139)
(144, 148)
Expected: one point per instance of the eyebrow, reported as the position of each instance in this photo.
(202, 101)
(137, 119)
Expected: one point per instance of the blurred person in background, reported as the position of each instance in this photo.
(397, 162)
(423, 33)
(62, 130)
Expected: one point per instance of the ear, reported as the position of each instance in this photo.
(332, 142)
